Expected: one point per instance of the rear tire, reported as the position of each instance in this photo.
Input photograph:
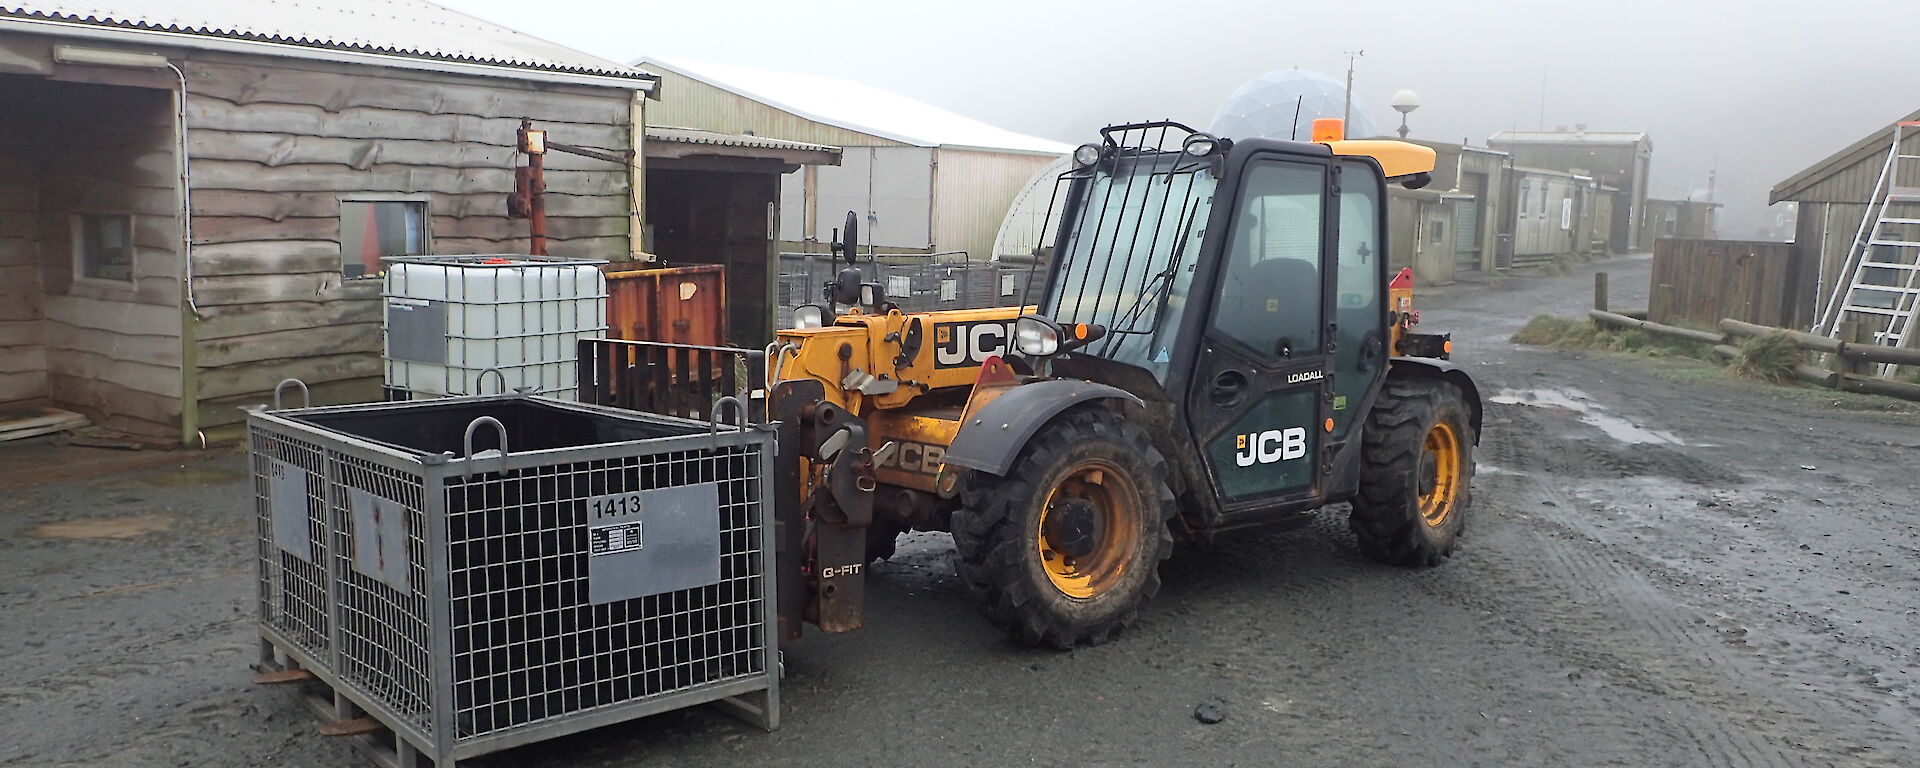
(1067, 549)
(1415, 485)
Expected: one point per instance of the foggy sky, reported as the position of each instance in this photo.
(1755, 88)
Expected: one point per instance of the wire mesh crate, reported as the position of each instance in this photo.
(479, 573)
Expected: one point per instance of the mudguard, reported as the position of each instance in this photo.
(1444, 370)
(992, 438)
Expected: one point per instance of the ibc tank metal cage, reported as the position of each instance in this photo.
(481, 573)
(449, 318)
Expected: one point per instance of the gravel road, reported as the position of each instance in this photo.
(1665, 567)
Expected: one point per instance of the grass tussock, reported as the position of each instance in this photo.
(1768, 358)
(1564, 333)
(1564, 263)
(1542, 330)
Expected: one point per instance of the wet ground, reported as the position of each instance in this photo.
(1665, 567)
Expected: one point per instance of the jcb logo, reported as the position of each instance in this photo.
(917, 457)
(1270, 446)
(965, 344)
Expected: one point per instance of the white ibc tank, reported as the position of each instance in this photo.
(451, 319)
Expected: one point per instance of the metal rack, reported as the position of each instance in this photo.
(916, 282)
(480, 573)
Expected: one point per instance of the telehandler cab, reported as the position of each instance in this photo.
(1215, 343)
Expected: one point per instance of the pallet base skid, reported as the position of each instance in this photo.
(333, 708)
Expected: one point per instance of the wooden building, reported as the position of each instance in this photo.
(1475, 178)
(922, 178)
(1677, 219)
(711, 199)
(1554, 214)
(195, 195)
(1618, 159)
(1833, 198)
(1420, 232)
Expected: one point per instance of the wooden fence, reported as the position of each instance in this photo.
(1850, 363)
(1700, 282)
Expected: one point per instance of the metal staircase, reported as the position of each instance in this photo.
(1881, 278)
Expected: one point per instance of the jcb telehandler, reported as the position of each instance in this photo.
(1214, 344)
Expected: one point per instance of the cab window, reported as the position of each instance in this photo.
(1358, 322)
(1270, 292)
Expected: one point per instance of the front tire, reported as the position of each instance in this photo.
(1067, 548)
(1415, 485)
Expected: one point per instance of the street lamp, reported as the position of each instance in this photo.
(1404, 102)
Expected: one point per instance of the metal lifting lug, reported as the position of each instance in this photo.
(868, 384)
(830, 447)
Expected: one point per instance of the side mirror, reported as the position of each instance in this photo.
(845, 289)
(846, 241)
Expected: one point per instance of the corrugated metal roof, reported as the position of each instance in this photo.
(696, 136)
(858, 107)
(407, 28)
(1874, 147)
(1569, 137)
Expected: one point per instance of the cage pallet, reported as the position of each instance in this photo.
(332, 707)
(481, 573)
(339, 714)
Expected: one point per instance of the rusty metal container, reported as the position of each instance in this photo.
(677, 305)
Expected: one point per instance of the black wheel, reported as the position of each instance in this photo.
(1067, 549)
(1415, 487)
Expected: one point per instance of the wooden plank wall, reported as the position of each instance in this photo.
(1698, 282)
(277, 145)
(23, 351)
(112, 347)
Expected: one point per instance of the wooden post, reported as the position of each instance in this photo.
(1847, 331)
(1600, 291)
(637, 179)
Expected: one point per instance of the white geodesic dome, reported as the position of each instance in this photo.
(1266, 107)
(1022, 234)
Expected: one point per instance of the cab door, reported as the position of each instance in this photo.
(1259, 399)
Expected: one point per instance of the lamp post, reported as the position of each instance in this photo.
(1346, 111)
(1404, 102)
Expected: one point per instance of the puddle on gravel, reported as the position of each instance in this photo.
(105, 527)
(1589, 412)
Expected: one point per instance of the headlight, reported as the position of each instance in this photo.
(809, 316)
(1086, 155)
(1035, 337)
(1200, 145)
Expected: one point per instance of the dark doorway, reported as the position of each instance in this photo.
(721, 217)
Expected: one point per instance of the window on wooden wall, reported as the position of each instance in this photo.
(374, 229)
(103, 246)
(1526, 193)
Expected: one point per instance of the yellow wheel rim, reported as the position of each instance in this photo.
(1088, 529)
(1439, 473)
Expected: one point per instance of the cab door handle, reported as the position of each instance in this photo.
(1229, 388)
